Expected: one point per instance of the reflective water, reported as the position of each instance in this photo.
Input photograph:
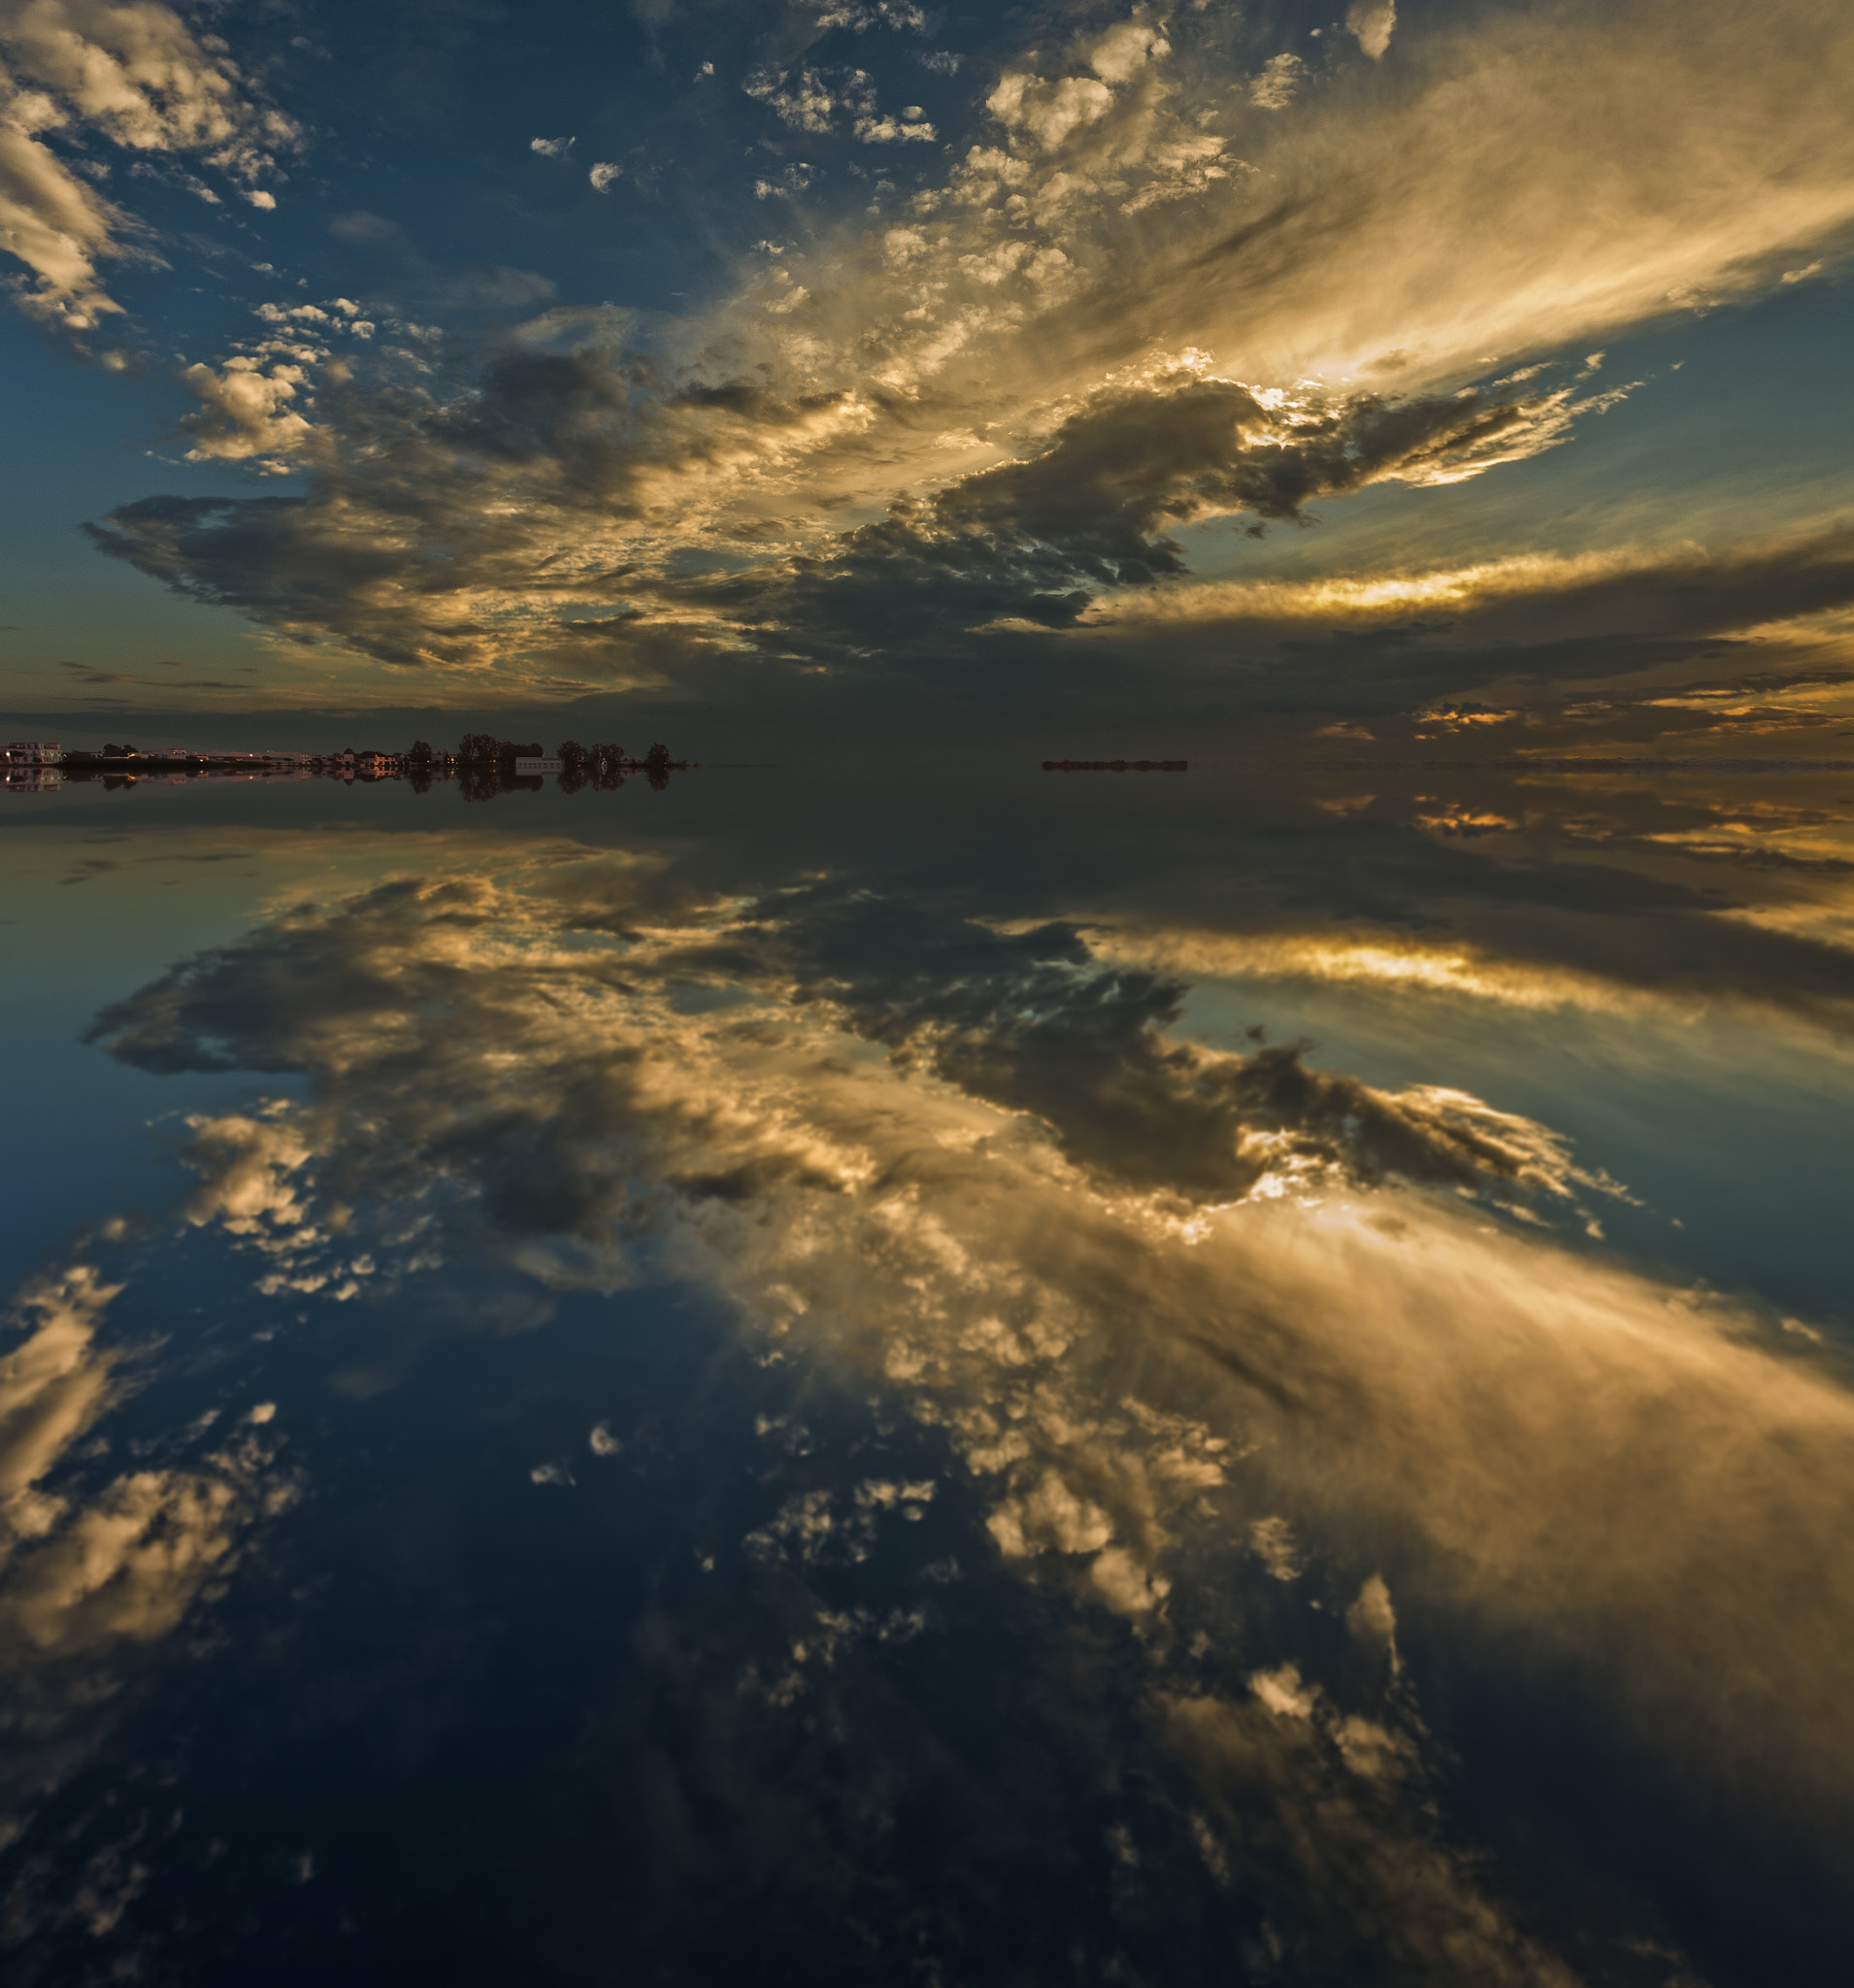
(947, 1374)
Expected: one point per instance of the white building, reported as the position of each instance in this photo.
(33, 752)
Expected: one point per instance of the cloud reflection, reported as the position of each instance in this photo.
(1153, 1298)
(94, 1562)
(1297, 1413)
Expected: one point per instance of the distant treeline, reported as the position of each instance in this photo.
(483, 766)
(1116, 766)
(486, 765)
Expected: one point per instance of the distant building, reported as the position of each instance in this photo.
(545, 764)
(33, 752)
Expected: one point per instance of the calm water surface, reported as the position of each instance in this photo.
(931, 1374)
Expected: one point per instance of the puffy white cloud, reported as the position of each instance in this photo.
(1372, 1618)
(132, 73)
(1284, 1692)
(134, 70)
(807, 103)
(890, 130)
(1279, 83)
(1049, 111)
(553, 148)
(1272, 1539)
(604, 175)
(815, 98)
(1371, 23)
(1125, 50)
(246, 413)
(860, 16)
(54, 224)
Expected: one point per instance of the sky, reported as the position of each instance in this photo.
(1458, 374)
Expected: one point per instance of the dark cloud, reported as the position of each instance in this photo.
(1119, 475)
(983, 592)
(1034, 541)
(1632, 650)
(401, 550)
(86, 673)
(396, 550)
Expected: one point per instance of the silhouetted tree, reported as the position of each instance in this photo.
(479, 748)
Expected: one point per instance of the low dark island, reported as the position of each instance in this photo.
(1116, 766)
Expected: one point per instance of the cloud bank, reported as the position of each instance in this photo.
(1168, 280)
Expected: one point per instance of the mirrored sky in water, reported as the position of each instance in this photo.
(931, 1374)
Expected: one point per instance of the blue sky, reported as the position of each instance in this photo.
(895, 362)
